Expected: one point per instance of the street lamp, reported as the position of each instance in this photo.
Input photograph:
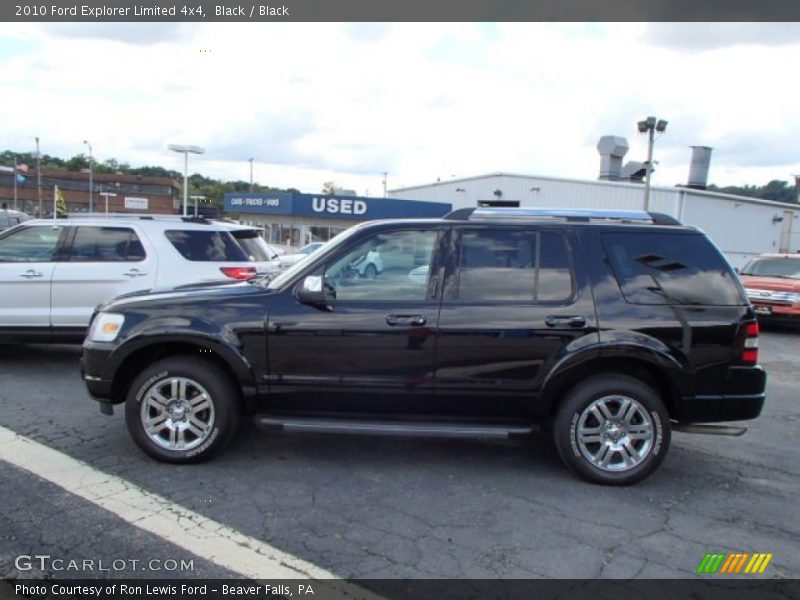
(196, 198)
(107, 194)
(650, 125)
(186, 150)
(91, 182)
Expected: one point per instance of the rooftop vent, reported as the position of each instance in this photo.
(612, 149)
(698, 170)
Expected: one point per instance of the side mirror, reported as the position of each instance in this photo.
(314, 292)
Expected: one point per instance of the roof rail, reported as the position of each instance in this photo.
(580, 215)
(144, 216)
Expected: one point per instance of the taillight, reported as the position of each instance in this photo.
(240, 273)
(750, 352)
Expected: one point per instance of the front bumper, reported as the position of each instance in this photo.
(94, 365)
(778, 314)
(742, 399)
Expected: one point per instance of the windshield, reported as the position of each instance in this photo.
(310, 248)
(253, 244)
(773, 267)
(329, 247)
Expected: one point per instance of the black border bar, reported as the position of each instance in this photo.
(706, 588)
(94, 11)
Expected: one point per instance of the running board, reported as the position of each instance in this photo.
(710, 429)
(400, 428)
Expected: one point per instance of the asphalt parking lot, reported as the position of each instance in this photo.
(380, 507)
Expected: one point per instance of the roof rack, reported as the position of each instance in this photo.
(579, 215)
(143, 216)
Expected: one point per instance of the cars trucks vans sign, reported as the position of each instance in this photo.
(355, 208)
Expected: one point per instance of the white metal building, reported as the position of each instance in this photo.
(742, 227)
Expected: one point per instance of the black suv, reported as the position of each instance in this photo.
(611, 328)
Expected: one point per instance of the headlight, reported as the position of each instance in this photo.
(105, 327)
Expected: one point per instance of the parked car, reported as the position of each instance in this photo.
(10, 218)
(611, 328)
(772, 282)
(54, 273)
(287, 260)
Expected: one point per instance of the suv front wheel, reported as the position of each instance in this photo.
(182, 410)
(612, 429)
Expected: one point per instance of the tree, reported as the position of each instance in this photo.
(329, 188)
(77, 163)
(777, 190)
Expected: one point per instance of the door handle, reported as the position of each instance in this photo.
(31, 273)
(413, 320)
(134, 273)
(565, 321)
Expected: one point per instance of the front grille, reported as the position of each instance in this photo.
(771, 296)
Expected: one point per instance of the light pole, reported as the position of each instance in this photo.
(106, 195)
(650, 125)
(251, 173)
(196, 198)
(39, 175)
(186, 150)
(91, 181)
(15, 182)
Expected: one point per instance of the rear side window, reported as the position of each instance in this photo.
(253, 244)
(206, 246)
(106, 244)
(513, 266)
(664, 268)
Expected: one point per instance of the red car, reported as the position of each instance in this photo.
(772, 282)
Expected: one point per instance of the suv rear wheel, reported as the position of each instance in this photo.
(182, 410)
(612, 429)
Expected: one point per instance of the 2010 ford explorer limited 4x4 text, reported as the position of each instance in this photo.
(611, 328)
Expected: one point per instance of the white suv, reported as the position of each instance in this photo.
(54, 273)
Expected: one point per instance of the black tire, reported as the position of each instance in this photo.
(220, 418)
(370, 271)
(622, 444)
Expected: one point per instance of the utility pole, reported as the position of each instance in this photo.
(39, 175)
(251, 173)
(91, 186)
(15, 182)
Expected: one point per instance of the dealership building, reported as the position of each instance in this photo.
(741, 226)
(296, 219)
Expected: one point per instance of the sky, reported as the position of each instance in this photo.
(318, 102)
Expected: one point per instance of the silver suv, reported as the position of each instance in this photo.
(53, 273)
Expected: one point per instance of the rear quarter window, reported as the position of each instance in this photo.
(668, 268)
(206, 246)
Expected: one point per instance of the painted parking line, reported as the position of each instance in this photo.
(249, 557)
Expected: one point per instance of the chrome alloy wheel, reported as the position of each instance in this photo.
(177, 413)
(615, 433)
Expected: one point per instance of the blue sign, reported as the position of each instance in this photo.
(357, 208)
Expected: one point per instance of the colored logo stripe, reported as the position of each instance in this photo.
(710, 563)
(734, 562)
(758, 563)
